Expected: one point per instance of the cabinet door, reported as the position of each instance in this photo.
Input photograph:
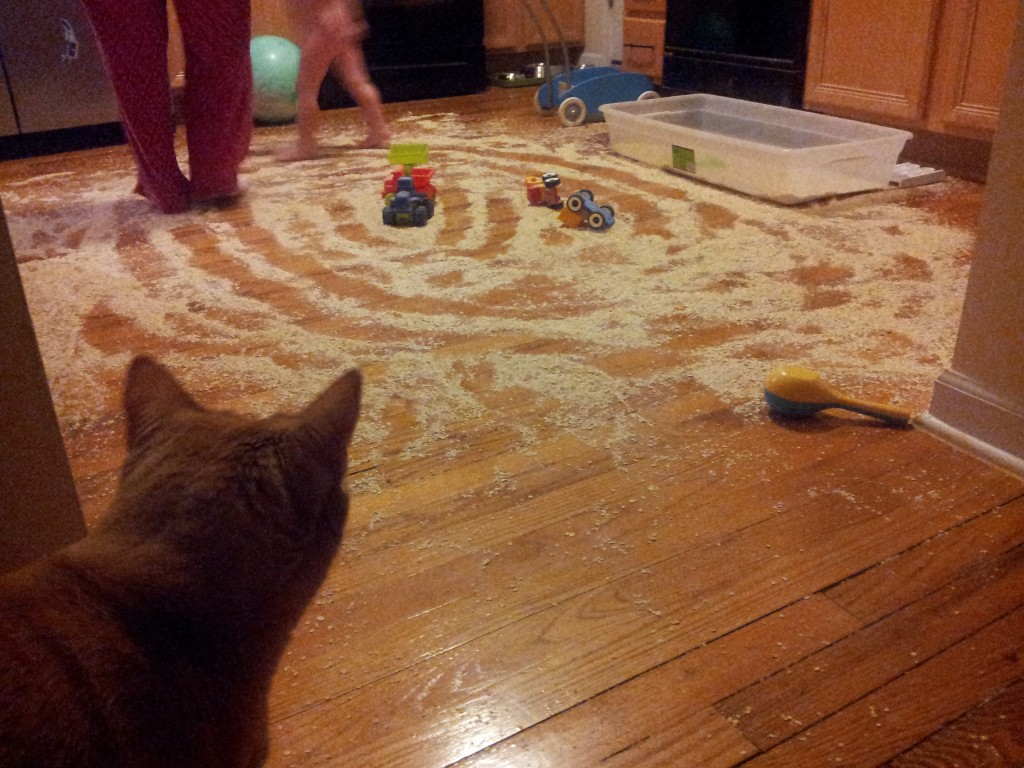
(971, 63)
(643, 46)
(568, 20)
(8, 124)
(509, 25)
(502, 20)
(651, 9)
(643, 37)
(53, 66)
(871, 58)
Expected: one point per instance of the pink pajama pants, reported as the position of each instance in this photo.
(132, 35)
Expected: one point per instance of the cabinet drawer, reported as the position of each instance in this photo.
(649, 8)
(643, 46)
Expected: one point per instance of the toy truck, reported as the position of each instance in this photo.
(407, 207)
(421, 181)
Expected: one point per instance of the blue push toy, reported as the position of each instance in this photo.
(578, 96)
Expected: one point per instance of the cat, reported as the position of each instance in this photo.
(152, 642)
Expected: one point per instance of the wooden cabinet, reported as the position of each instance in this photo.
(508, 25)
(972, 59)
(936, 65)
(643, 37)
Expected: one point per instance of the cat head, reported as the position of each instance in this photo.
(202, 474)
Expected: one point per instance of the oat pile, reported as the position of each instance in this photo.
(269, 300)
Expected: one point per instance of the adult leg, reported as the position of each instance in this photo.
(218, 93)
(133, 40)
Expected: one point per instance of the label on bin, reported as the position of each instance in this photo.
(684, 159)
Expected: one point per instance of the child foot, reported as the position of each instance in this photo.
(376, 140)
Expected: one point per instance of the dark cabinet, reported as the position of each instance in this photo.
(54, 77)
(8, 121)
(746, 49)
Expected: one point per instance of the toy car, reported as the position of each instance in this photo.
(407, 207)
(580, 208)
(578, 96)
(543, 190)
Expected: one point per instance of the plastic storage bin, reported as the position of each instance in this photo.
(785, 155)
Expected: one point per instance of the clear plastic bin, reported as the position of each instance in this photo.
(785, 155)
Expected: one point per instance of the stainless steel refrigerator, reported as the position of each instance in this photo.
(52, 74)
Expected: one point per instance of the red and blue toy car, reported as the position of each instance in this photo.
(409, 193)
(407, 206)
(543, 190)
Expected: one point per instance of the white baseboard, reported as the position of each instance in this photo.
(967, 417)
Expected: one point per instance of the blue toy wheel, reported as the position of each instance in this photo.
(572, 111)
(596, 220)
(575, 202)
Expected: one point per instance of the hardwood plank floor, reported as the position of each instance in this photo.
(713, 591)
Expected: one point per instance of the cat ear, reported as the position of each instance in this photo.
(150, 393)
(331, 419)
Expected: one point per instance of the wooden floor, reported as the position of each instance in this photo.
(729, 592)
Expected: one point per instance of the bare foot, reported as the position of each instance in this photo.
(297, 151)
(376, 140)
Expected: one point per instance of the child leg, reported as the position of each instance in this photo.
(350, 68)
(317, 51)
(218, 93)
(133, 40)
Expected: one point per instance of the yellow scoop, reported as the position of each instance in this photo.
(794, 390)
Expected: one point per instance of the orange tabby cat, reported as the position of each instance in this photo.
(152, 642)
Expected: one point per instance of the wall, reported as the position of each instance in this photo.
(979, 402)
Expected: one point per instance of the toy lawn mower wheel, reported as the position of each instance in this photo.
(572, 111)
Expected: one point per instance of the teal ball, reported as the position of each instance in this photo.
(275, 70)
